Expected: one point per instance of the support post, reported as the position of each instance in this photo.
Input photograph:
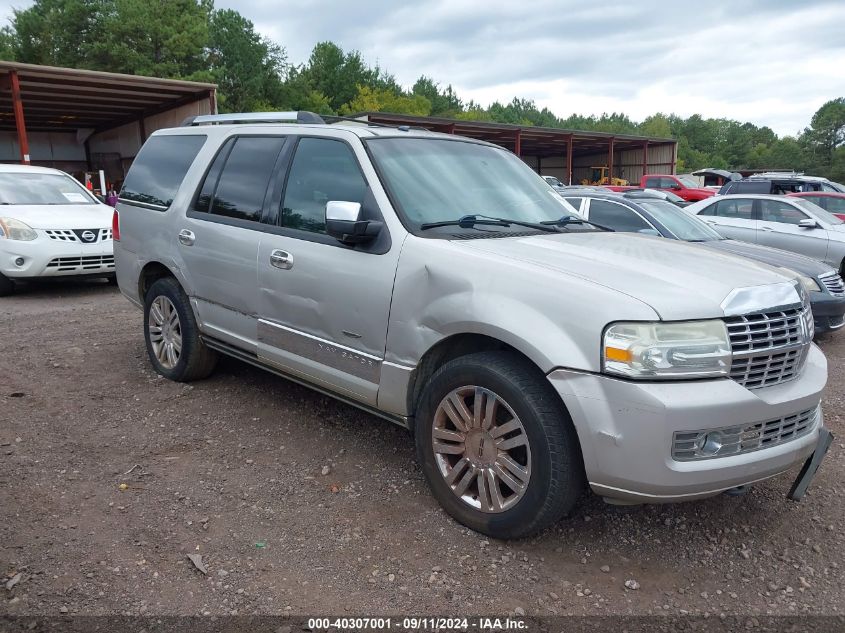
(212, 101)
(610, 162)
(142, 130)
(674, 158)
(450, 129)
(645, 158)
(518, 147)
(569, 160)
(20, 123)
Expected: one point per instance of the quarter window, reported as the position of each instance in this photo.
(322, 170)
(242, 185)
(158, 170)
(777, 211)
(616, 217)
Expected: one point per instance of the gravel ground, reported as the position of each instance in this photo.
(298, 504)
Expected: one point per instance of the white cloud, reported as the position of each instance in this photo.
(771, 62)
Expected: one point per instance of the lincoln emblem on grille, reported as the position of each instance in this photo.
(88, 236)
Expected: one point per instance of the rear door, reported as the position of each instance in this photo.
(779, 228)
(220, 234)
(735, 218)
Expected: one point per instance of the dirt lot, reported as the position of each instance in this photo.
(232, 468)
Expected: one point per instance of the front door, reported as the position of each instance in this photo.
(779, 228)
(324, 307)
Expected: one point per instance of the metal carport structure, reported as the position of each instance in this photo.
(566, 154)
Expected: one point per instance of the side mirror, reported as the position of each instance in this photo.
(675, 186)
(653, 232)
(808, 223)
(344, 223)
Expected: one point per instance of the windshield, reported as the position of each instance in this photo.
(835, 186)
(437, 180)
(682, 225)
(35, 188)
(688, 182)
(816, 210)
(552, 181)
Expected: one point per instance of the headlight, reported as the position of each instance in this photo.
(690, 349)
(12, 229)
(810, 284)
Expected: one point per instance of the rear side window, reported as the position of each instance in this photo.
(236, 183)
(653, 183)
(616, 216)
(322, 170)
(159, 168)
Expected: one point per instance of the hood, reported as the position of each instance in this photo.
(61, 216)
(771, 256)
(677, 279)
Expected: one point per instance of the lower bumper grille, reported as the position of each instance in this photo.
(834, 284)
(736, 440)
(73, 264)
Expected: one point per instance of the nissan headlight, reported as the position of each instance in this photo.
(688, 349)
(12, 229)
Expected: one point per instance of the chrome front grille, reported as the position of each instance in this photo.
(769, 347)
(79, 235)
(834, 284)
(735, 440)
(72, 264)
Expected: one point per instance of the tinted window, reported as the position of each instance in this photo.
(777, 211)
(322, 170)
(203, 202)
(738, 209)
(575, 202)
(616, 216)
(159, 168)
(652, 182)
(763, 186)
(244, 178)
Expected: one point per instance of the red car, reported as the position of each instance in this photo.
(829, 201)
(684, 186)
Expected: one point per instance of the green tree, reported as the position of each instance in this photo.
(57, 32)
(336, 74)
(161, 38)
(381, 100)
(656, 125)
(827, 129)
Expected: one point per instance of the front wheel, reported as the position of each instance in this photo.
(497, 447)
(172, 336)
(7, 286)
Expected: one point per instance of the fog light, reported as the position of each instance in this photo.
(712, 443)
(19, 261)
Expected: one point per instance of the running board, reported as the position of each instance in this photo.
(252, 359)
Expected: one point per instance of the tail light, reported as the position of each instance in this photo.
(115, 226)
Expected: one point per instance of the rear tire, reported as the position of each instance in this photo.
(507, 469)
(7, 286)
(172, 335)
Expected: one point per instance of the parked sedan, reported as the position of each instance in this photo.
(50, 226)
(658, 217)
(793, 224)
(830, 201)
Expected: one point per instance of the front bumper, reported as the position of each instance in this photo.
(43, 257)
(828, 311)
(626, 429)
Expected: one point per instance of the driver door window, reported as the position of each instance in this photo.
(781, 212)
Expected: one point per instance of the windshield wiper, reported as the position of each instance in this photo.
(571, 219)
(469, 222)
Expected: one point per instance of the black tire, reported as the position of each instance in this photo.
(7, 286)
(557, 473)
(195, 361)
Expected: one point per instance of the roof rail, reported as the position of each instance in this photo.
(302, 116)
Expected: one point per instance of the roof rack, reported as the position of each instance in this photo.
(302, 116)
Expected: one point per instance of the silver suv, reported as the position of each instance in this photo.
(437, 282)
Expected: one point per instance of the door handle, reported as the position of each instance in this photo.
(281, 259)
(766, 228)
(187, 238)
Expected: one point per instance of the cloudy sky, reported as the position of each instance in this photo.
(772, 62)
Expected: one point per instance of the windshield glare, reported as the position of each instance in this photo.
(679, 223)
(816, 210)
(437, 180)
(18, 188)
(689, 182)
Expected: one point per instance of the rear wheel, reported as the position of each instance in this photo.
(172, 336)
(7, 286)
(497, 447)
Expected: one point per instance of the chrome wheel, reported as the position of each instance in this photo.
(165, 332)
(481, 449)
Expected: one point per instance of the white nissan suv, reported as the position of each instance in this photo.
(50, 226)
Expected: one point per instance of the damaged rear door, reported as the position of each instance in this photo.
(324, 306)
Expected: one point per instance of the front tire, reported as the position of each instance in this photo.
(7, 286)
(172, 335)
(497, 447)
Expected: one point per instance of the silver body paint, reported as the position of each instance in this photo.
(357, 325)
